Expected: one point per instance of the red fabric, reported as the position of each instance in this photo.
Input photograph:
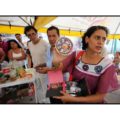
(77, 57)
(4, 45)
(1, 53)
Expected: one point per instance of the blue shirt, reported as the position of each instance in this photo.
(49, 57)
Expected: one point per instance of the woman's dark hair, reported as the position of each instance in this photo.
(89, 32)
(28, 28)
(13, 40)
(53, 28)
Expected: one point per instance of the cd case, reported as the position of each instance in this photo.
(77, 87)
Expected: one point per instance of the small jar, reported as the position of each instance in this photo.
(13, 74)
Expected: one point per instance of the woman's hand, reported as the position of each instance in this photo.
(66, 98)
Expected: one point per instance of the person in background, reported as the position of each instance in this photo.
(98, 71)
(17, 56)
(4, 46)
(116, 61)
(36, 46)
(117, 58)
(29, 57)
(19, 39)
(54, 58)
(16, 53)
(2, 55)
(38, 50)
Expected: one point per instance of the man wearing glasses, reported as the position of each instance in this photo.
(38, 49)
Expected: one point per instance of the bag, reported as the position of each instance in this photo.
(54, 92)
(77, 87)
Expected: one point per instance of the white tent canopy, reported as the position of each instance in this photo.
(82, 23)
(68, 25)
(17, 21)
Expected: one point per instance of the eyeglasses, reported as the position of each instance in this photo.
(32, 34)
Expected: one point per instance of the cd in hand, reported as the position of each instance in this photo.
(64, 46)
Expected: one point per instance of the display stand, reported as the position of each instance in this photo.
(21, 81)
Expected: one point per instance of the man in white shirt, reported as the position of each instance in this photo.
(38, 49)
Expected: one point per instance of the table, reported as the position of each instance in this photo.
(21, 81)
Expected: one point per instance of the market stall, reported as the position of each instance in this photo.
(9, 79)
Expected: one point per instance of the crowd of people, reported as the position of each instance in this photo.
(92, 65)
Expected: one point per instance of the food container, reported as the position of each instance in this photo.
(13, 75)
(6, 70)
(21, 72)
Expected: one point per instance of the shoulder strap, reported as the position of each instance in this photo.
(80, 53)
